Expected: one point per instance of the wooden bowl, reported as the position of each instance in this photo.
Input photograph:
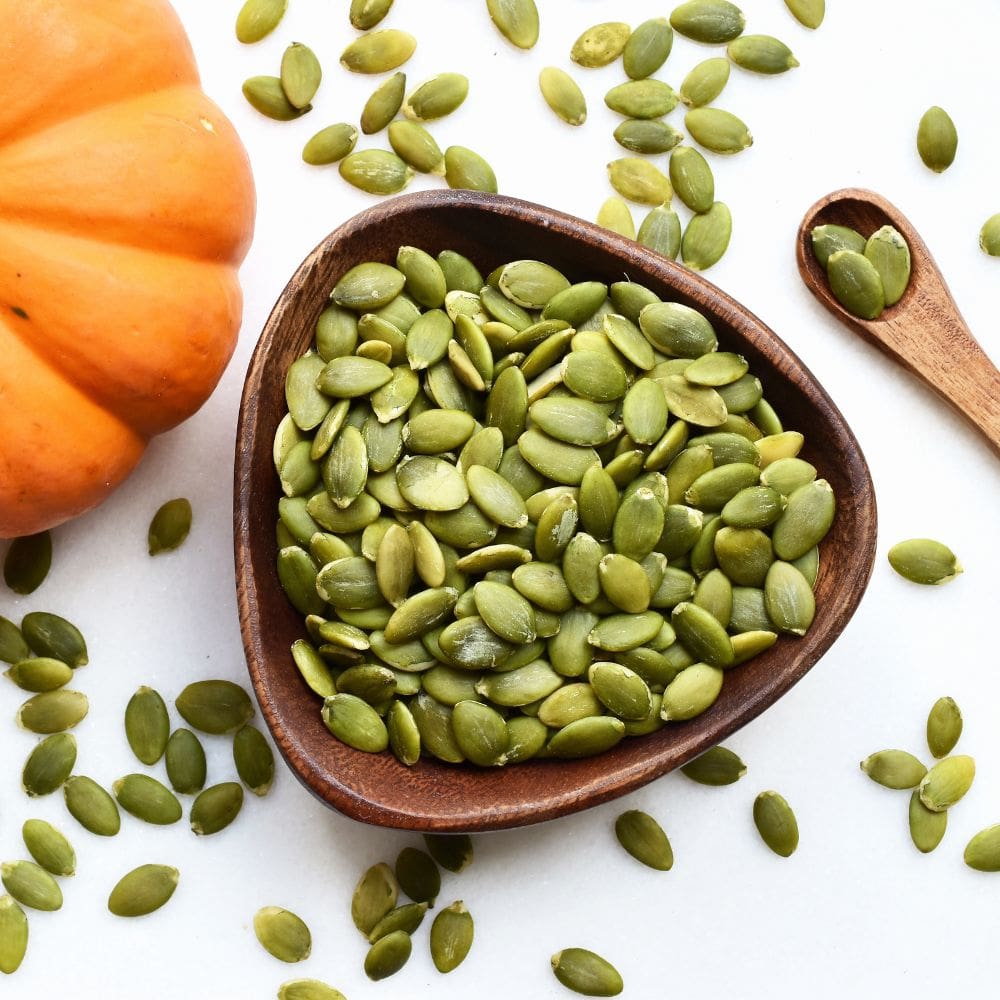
(433, 796)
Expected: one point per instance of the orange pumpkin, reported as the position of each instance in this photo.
(126, 207)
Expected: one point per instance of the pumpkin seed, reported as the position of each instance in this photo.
(809, 13)
(39, 674)
(706, 237)
(660, 230)
(436, 97)
(856, 284)
(642, 99)
(185, 759)
(266, 95)
(718, 130)
(587, 973)
(91, 806)
(927, 828)
(216, 807)
(13, 648)
(705, 82)
(147, 725)
(417, 147)
(254, 760)
(31, 885)
(374, 896)
(331, 144)
(621, 690)
(677, 330)
(258, 18)
(586, 737)
(944, 727)
(644, 839)
(53, 711)
(716, 766)
(464, 168)
(600, 45)
(13, 935)
(806, 520)
(453, 852)
(894, 769)
(989, 236)
(776, 823)
(481, 733)
(692, 179)
(50, 635)
(563, 95)
(827, 240)
(355, 723)
(761, 54)
(646, 136)
(693, 691)
(49, 848)
(365, 14)
(376, 171)
(983, 851)
(516, 20)
(924, 560)
(788, 598)
(407, 917)
(215, 706)
(308, 989)
(388, 955)
(712, 22)
(946, 782)
(378, 51)
(146, 799)
(451, 937)
(301, 74)
(282, 934)
(937, 139)
(27, 562)
(888, 251)
(418, 876)
(49, 764)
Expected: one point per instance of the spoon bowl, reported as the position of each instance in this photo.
(433, 796)
(924, 331)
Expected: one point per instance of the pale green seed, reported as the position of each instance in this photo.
(660, 230)
(624, 583)
(258, 18)
(806, 520)
(601, 44)
(308, 989)
(647, 48)
(716, 766)
(13, 648)
(761, 54)
(587, 973)
(330, 144)
(989, 236)
(282, 934)
(747, 645)
(647, 136)
(713, 489)
(927, 828)
(31, 885)
(516, 20)
(374, 896)
(436, 431)
(776, 823)
(642, 99)
(937, 139)
(53, 711)
(436, 97)
(481, 733)
(888, 251)
(677, 330)
(27, 562)
(702, 634)
(788, 598)
(573, 421)
(594, 375)
(526, 738)
(569, 703)
(809, 13)
(644, 839)
(946, 782)
(13, 935)
(705, 82)
(505, 611)
(618, 633)
(307, 406)
(185, 756)
(586, 737)
(39, 674)
(215, 706)
(644, 412)
(775, 447)
(407, 917)
(147, 725)
(378, 51)
(827, 240)
(856, 284)
(786, 475)
(693, 691)
(266, 95)
(355, 723)
(621, 690)
(706, 237)
(216, 807)
(563, 95)
(376, 171)
(417, 147)
(254, 760)
(301, 74)
(147, 799)
(530, 283)
(464, 168)
(924, 560)
(983, 851)
(944, 727)
(49, 847)
(692, 179)
(717, 130)
(709, 21)
(365, 14)
(91, 806)
(50, 635)
(894, 769)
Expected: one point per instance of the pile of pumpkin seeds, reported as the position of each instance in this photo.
(866, 275)
(526, 517)
(44, 653)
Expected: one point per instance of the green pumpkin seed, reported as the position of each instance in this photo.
(381, 108)
(464, 168)
(407, 917)
(621, 690)
(693, 691)
(516, 20)
(989, 236)
(376, 171)
(644, 412)
(436, 431)
(31, 885)
(425, 281)
(781, 446)
(944, 726)
(705, 82)
(282, 934)
(27, 562)
(856, 284)
(937, 139)
(776, 823)
(417, 147)
(806, 520)
(49, 764)
(91, 806)
(451, 937)
(639, 180)
(894, 769)
(644, 839)
(306, 404)
(50, 635)
(747, 645)
(330, 144)
(49, 847)
(569, 703)
(365, 14)
(53, 711)
(692, 179)
(889, 253)
(716, 766)
(453, 852)
(215, 706)
(706, 237)
(586, 737)
(638, 524)
(827, 240)
(146, 799)
(216, 807)
(378, 51)
(625, 584)
(39, 674)
(254, 760)
(266, 95)
(355, 723)
(786, 475)
(258, 18)
(646, 136)
(788, 598)
(13, 935)
(301, 74)
(712, 22)
(713, 489)
(481, 733)
(185, 759)
(647, 48)
(927, 828)
(946, 782)
(600, 45)
(147, 725)
(308, 989)
(13, 648)
(505, 611)
(374, 896)
(418, 876)
(563, 95)
(677, 330)
(809, 13)
(924, 560)
(388, 955)
(983, 851)
(717, 130)
(348, 583)
(702, 634)
(660, 230)
(587, 973)
(761, 54)
(437, 97)
(642, 99)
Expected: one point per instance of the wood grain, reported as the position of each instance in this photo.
(491, 229)
(924, 331)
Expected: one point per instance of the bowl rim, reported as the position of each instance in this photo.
(600, 785)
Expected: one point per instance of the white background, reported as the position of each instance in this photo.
(857, 911)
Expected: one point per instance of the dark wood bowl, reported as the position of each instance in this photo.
(434, 796)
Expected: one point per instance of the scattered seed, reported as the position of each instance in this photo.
(601, 44)
(944, 727)
(378, 51)
(91, 806)
(49, 847)
(27, 562)
(143, 890)
(258, 18)
(644, 839)
(937, 139)
(451, 937)
(330, 144)
(31, 885)
(516, 20)
(585, 972)
(216, 807)
(717, 766)
(563, 95)
(989, 236)
(282, 934)
(266, 95)
(215, 706)
(13, 935)
(776, 823)
(923, 560)
(894, 769)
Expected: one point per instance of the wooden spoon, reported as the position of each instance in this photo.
(431, 795)
(923, 331)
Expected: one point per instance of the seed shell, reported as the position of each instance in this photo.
(776, 823)
(282, 934)
(451, 937)
(587, 973)
(644, 839)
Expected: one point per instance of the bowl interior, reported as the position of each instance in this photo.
(491, 229)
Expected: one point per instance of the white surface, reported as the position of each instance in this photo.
(856, 911)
